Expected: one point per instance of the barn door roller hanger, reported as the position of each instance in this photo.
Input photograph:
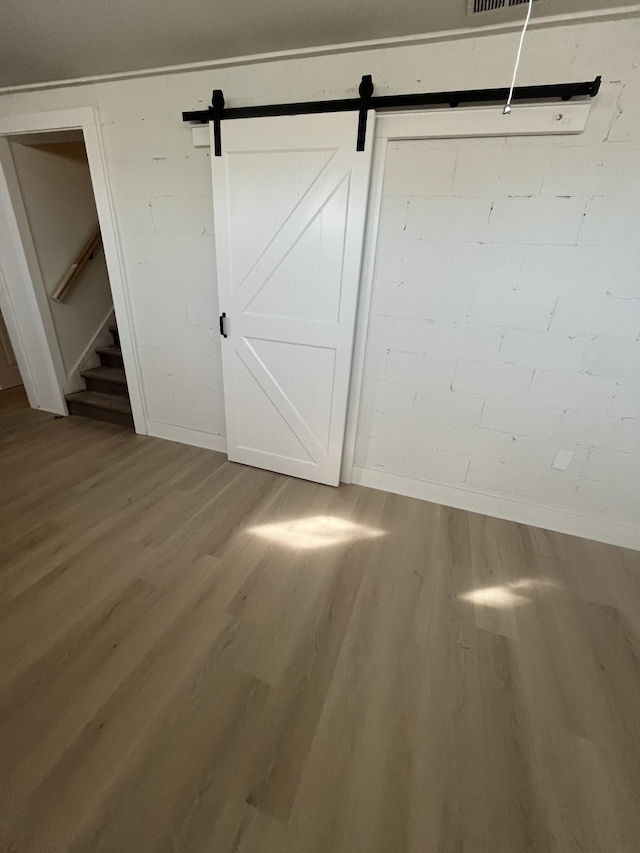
(217, 112)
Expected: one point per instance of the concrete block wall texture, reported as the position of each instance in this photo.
(516, 271)
(507, 276)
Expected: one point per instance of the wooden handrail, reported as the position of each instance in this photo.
(68, 280)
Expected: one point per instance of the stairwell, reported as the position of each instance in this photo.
(106, 397)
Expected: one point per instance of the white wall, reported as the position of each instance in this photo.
(162, 196)
(506, 321)
(55, 184)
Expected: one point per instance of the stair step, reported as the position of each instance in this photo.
(111, 357)
(101, 407)
(116, 337)
(106, 380)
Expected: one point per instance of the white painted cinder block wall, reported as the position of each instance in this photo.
(475, 386)
(506, 320)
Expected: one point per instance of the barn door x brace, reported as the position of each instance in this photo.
(217, 112)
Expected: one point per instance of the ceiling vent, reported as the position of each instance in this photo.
(475, 6)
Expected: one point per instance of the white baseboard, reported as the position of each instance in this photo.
(185, 435)
(598, 529)
(560, 521)
(47, 404)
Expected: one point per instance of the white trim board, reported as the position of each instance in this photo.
(510, 509)
(539, 22)
(597, 529)
(24, 300)
(30, 326)
(363, 313)
(185, 435)
(524, 120)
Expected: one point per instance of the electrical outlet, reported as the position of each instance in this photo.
(563, 460)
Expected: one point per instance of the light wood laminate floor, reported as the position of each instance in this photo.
(199, 656)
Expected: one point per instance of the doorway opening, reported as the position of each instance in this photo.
(57, 287)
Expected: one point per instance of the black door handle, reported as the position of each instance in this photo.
(223, 317)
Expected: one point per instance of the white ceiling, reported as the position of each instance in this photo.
(43, 40)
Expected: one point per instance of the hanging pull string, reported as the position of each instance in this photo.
(507, 106)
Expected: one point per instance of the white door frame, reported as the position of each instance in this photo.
(22, 294)
(524, 120)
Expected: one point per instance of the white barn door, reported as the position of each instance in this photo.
(289, 198)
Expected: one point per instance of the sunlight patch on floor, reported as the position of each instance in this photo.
(514, 594)
(320, 531)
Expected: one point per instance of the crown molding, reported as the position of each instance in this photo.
(595, 16)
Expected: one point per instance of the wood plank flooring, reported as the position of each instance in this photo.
(198, 656)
